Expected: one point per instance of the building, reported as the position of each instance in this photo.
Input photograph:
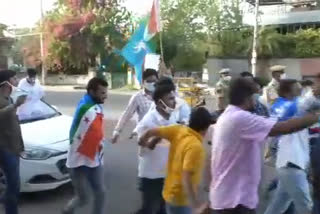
(285, 15)
(5, 46)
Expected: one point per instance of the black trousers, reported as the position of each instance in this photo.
(315, 173)
(151, 196)
(238, 210)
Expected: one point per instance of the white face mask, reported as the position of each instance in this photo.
(150, 86)
(166, 108)
(16, 91)
(227, 78)
(283, 76)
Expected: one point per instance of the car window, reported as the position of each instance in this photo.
(34, 110)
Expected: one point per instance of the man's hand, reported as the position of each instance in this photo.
(114, 138)
(152, 143)
(143, 141)
(20, 100)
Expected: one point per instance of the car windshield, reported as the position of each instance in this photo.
(39, 110)
(34, 110)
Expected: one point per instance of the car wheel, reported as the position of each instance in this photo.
(3, 184)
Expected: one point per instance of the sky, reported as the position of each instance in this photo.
(25, 13)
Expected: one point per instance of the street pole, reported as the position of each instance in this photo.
(255, 39)
(43, 67)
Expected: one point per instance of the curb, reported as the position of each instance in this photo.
(83, 88)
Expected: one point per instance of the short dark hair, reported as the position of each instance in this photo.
(31, 72)
(95, 82)
(165, 81)
(149, 72)
(200, 119)
(241, 89)
(162, 90)
(5, 75)
(285, 86)
(305, 83)
(246, 74)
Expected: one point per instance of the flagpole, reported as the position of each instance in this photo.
(161, 40)
(161, 46)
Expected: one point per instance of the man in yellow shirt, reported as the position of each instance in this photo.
(185, 163)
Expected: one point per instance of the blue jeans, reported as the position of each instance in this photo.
(80, 177)
(293, 187)
(171, 209)
(273, 186)
(316, 207)
(10, 164)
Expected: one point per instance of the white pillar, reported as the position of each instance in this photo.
(43, 67)
(255, 40)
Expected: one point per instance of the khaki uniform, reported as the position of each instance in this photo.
(222, 94)
(271, 92)
(10, 131)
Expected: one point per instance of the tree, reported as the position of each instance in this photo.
(307, 43)
(182, 30)
(26, 49)
(5, 46)
(199, 26)
(84, 30)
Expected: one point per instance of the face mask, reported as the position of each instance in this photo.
(31, 81)
(150, 86)
(15, 91)
(227, 78)
(166, 108)
(283, 76)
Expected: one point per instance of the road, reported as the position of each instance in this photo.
(120, 163)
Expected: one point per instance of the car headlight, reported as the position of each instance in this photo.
(40, 154)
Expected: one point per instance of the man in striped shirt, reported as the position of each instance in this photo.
(139, 103)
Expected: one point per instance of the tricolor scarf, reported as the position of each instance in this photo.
(87, 128)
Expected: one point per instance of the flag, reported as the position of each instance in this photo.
(154, 21)
(86, 132)
(137, 48)
(140, 43)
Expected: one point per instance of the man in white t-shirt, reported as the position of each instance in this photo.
(31, 85)
(152, 163)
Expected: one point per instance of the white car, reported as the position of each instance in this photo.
(46, 138)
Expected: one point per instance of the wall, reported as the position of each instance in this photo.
(215, 65)
(296, 68)
(117, 80)
(67, 79)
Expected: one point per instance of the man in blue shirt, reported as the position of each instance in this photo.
(283, 109)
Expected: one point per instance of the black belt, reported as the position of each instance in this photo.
(294, 166)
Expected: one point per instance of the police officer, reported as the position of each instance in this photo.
(222, 90)
(271, 91)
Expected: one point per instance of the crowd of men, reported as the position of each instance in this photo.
(172, 136)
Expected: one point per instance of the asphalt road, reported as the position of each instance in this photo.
(120, 164)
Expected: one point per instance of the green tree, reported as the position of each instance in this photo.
(307, 43)
(183, 33)
(80, 47)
